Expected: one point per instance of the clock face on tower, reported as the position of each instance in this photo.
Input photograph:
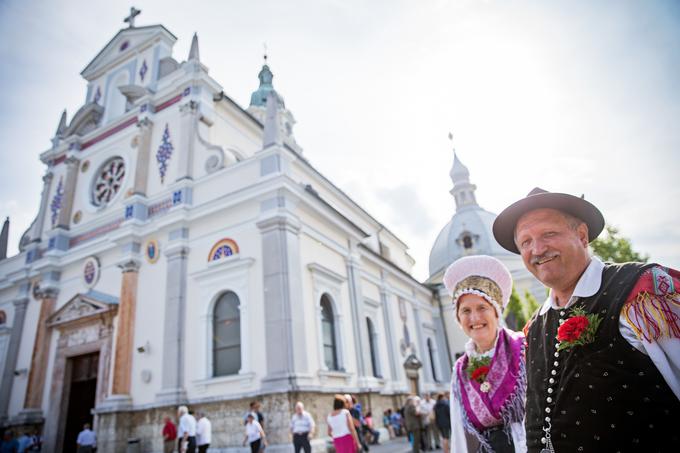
(108, 181)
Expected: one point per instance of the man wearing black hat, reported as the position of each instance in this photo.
(603, 356)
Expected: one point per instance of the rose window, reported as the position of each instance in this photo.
(108, 182)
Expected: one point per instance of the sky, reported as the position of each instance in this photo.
(572, 96)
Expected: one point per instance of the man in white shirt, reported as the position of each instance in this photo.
(302, 428)
(87, 440)
(430, 434)
(603, 352)
(203, 432)
(186, 431)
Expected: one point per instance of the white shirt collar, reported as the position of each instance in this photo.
(587, 286)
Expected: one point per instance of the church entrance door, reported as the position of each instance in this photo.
(81, 390)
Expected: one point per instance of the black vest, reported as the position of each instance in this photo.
(606, 395)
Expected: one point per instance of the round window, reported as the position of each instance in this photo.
(108, 181)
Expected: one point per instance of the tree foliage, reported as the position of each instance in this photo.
(519, 310)
(614, 248)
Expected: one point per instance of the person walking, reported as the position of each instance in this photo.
(413, 422)
(603, 351)
(429, 433)
(302, 428)
(341, 427)
(186, 431)
(442, 418)
(9, 443)
(169, 435)
(87, 440)
(255, 436)
(203, 432)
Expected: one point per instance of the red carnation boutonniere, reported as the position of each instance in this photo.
(578, 330)
(477, 370)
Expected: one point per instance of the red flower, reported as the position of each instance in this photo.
(572, 328)
(480, 373)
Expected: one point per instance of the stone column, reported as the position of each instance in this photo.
(64, 219)
(389, 332)
(284, 324)
(13, 351)
(41, 348)
(125, 332)
(145, 127)
(356, 305)
(187, 131)
(172, 379)
(44, 201)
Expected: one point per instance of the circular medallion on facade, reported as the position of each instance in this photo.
(91, 271)
(85, 166)
(77, 216)
(108, 181)
(152, 251)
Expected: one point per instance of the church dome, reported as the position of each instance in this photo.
(469, 231)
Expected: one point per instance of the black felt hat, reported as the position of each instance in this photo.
(504, 225)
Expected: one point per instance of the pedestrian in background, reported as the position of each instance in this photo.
(413, 421)
(186, 430)
(442, 418)
(255, 436)
(169, 435)
(203, 432)
(87, 440)
(302, 428)
(341, 427)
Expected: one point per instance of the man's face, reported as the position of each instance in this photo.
(552, 249)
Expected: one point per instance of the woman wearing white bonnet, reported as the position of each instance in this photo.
(488, 386)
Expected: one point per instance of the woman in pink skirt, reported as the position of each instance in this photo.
(341, 428)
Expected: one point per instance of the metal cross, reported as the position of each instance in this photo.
(264, 44)
(134, 12)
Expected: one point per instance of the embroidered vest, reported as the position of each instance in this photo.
(603, 396)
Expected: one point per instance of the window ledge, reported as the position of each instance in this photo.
(245, 379)
(334, 375)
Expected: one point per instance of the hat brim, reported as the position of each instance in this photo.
(505, 223)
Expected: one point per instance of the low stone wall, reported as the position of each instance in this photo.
(115, 428)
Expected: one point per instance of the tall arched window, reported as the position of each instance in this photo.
(226, 335)
(430, 351)
(330, 350)
(373, 347)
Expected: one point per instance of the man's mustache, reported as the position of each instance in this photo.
(546, 256)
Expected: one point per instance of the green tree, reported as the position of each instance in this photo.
(530, 305)
(514, 312)
(614, 248)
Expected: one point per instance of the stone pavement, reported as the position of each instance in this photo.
(396, 445)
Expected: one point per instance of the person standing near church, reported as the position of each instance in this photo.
(603, 358)
(301, 428)
(341, 426)
(186, 431)
(87, 440)
(203, 432)
(169, 435)
(488, 383)
(255, 436)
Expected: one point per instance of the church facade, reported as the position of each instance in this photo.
(186, 252)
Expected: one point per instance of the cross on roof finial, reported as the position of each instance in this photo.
(264, 44)
(134, 12)
(450, 136)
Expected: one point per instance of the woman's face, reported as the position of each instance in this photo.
(478, 318)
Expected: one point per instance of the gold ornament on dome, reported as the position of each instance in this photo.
(77, 217)
(84, 166)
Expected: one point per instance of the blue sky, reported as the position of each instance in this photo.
(573, 96)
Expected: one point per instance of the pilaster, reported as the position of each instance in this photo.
(145, 128)
(389, 332)
(39, 358)
(64, 219)
(356, 307)
(174, 328)
(185, 157)
(20, 305)
(44, 200)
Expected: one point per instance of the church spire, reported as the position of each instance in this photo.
(62, 125)
(193, 53)
(4, 239)
(463, 191)
(259, 96)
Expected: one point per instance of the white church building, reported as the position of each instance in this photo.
(187, 252)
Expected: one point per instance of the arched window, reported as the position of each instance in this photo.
(226, 335)
(373, 347)
(430, 351)
(330, 350)
(3, 317)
